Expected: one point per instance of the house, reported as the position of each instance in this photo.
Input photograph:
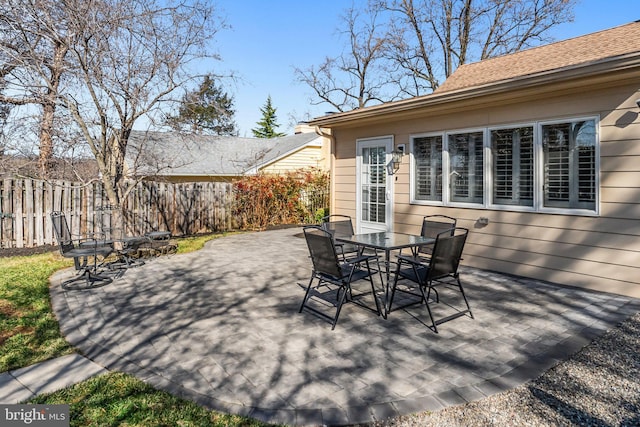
(536, 152)
(176, 157)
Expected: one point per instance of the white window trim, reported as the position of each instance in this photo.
(517, 208)
(539, 176)
(538, 197)
(412, 170)
(445, 147)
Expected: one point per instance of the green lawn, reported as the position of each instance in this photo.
(29, 333)
(117, 399)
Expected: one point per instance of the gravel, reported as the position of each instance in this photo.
(598, 386)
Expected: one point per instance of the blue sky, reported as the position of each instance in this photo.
(268, 39)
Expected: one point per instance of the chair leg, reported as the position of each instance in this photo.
(91, 273)
(373, 288)
(384, 308)
(431, 288)
(88, 277)
(464, 297)
(339, 307)
(426, 300)
(94, 277)
(393, 288)
(306, 294)
(420, 285)
(78, 264)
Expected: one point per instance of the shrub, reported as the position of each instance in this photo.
(267, 199)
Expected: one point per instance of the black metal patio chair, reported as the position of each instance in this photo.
(432, 225)
(329, 271)
(85, 251)
(125, 246)
(341, 225)
(441, 269)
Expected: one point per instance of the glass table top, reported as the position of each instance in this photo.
(386, 240)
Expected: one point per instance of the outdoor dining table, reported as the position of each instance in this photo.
(386, 241)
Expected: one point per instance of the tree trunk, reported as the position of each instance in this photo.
(46, 141)
(49, 110)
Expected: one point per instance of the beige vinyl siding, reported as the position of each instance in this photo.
(305, 158)
(616, 194)
(600, 252)
(344, 185)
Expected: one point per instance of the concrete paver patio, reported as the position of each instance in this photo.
(221, 326)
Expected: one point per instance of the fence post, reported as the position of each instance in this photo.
(7, 214)
(26, 205)
(18, 216)
(38, 215)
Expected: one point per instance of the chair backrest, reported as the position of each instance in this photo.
(447, 253)
(322, 251)
(432, 225)
(61, 231)
(340, 225)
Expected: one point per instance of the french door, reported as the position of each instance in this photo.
(374, 204)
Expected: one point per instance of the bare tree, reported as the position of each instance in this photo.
(98, 67)
(34, 42)
(429, 40)
(355, 78)
(5, 110)
(131, 55)
(405, 48)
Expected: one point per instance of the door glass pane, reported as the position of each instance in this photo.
(373, 184)
(365, 204)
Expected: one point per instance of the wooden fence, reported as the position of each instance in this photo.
(182, 209)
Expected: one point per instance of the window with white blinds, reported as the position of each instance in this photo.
(427, 152)
(466, 177)
(569, 164)
(512, 155)
(546, 166)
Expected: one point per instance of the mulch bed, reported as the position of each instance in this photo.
(9, 252)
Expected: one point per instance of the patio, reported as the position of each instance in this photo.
(221, 327)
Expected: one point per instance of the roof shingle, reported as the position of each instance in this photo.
(169, 153)
(590, 48)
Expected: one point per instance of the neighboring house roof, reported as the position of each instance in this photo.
(596, 54)
(569, 53)
(172, 154)
(287, 145)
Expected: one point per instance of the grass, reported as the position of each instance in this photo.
(192, 244)
(30, 333)
(116, 399)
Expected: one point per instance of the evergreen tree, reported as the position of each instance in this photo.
(267, 126)
(206, 110)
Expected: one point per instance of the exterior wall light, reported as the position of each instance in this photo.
(396, 159)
